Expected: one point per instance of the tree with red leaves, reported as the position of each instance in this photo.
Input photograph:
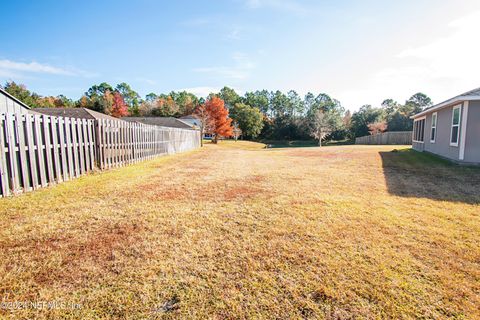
(119, 107)
(377, 127)
(220, 123)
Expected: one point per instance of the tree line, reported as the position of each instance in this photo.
(261, 114)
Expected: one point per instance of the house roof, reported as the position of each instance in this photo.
(78, 113)
(467, 96)
(189, 117)
(161, 121)
(13, 98)
(193, 120)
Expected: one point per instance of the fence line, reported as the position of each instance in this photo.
(40, 150)
(393, 137)
(120, 143)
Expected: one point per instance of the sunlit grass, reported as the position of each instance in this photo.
(238, 231)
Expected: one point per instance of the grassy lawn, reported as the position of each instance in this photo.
(238, 231)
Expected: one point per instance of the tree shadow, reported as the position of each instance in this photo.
(409, 173)
(302, 143)
(290, 143)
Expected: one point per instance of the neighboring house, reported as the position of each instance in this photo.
(78, 113)
(196, 123)
(161, 121)
(451, 129)
(10, 104)
(193, 120)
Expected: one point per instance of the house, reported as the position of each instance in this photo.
(193, 120)
(161, 121)
(450, 129)
(77, 113)
(10, 104)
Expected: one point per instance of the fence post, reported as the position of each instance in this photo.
(5, 185)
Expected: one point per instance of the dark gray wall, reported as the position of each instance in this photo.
(442, 146)
(442, 141)
(472, 143)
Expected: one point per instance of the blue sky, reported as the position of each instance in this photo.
(357, 51)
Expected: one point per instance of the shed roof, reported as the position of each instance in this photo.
(467, 96)
(161, 121)
(79, 113)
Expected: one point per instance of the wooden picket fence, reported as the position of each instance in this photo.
(120, 143)
(40, 150)
(391, 137)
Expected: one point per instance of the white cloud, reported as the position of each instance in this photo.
(201, 91)
(240, 69)
(18, 69)
(441, 68)
(32, 67)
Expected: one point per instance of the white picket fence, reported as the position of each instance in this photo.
(39, 150)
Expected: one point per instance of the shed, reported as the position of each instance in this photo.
(10, 104)
(450, 129)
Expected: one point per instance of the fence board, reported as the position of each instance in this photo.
(63, 148)
(39, 148)
(69, 139)
(81, 149)
(56, 151)
(12, 154)
(76, 160)
(31, 151)
(48, 154)
(5, 185)
(20, 130)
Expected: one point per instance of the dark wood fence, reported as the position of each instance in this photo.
(39, 150)
(393, 137)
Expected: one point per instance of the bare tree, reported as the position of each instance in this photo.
(237, 132)
(324, 123)
(203, 115)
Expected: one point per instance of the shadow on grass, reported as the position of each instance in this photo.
(409, 173)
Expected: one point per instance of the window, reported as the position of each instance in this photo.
(455, 126)
(433, 131)
(418, 130)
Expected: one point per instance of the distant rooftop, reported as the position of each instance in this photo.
(161, 121)
(78, 113)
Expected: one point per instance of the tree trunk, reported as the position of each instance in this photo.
(201, 136)
(319, 138)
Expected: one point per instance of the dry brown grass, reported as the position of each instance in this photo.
(236, 231)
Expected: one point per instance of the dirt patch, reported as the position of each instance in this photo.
(220, 190)
(97, 252)
(316, 154)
